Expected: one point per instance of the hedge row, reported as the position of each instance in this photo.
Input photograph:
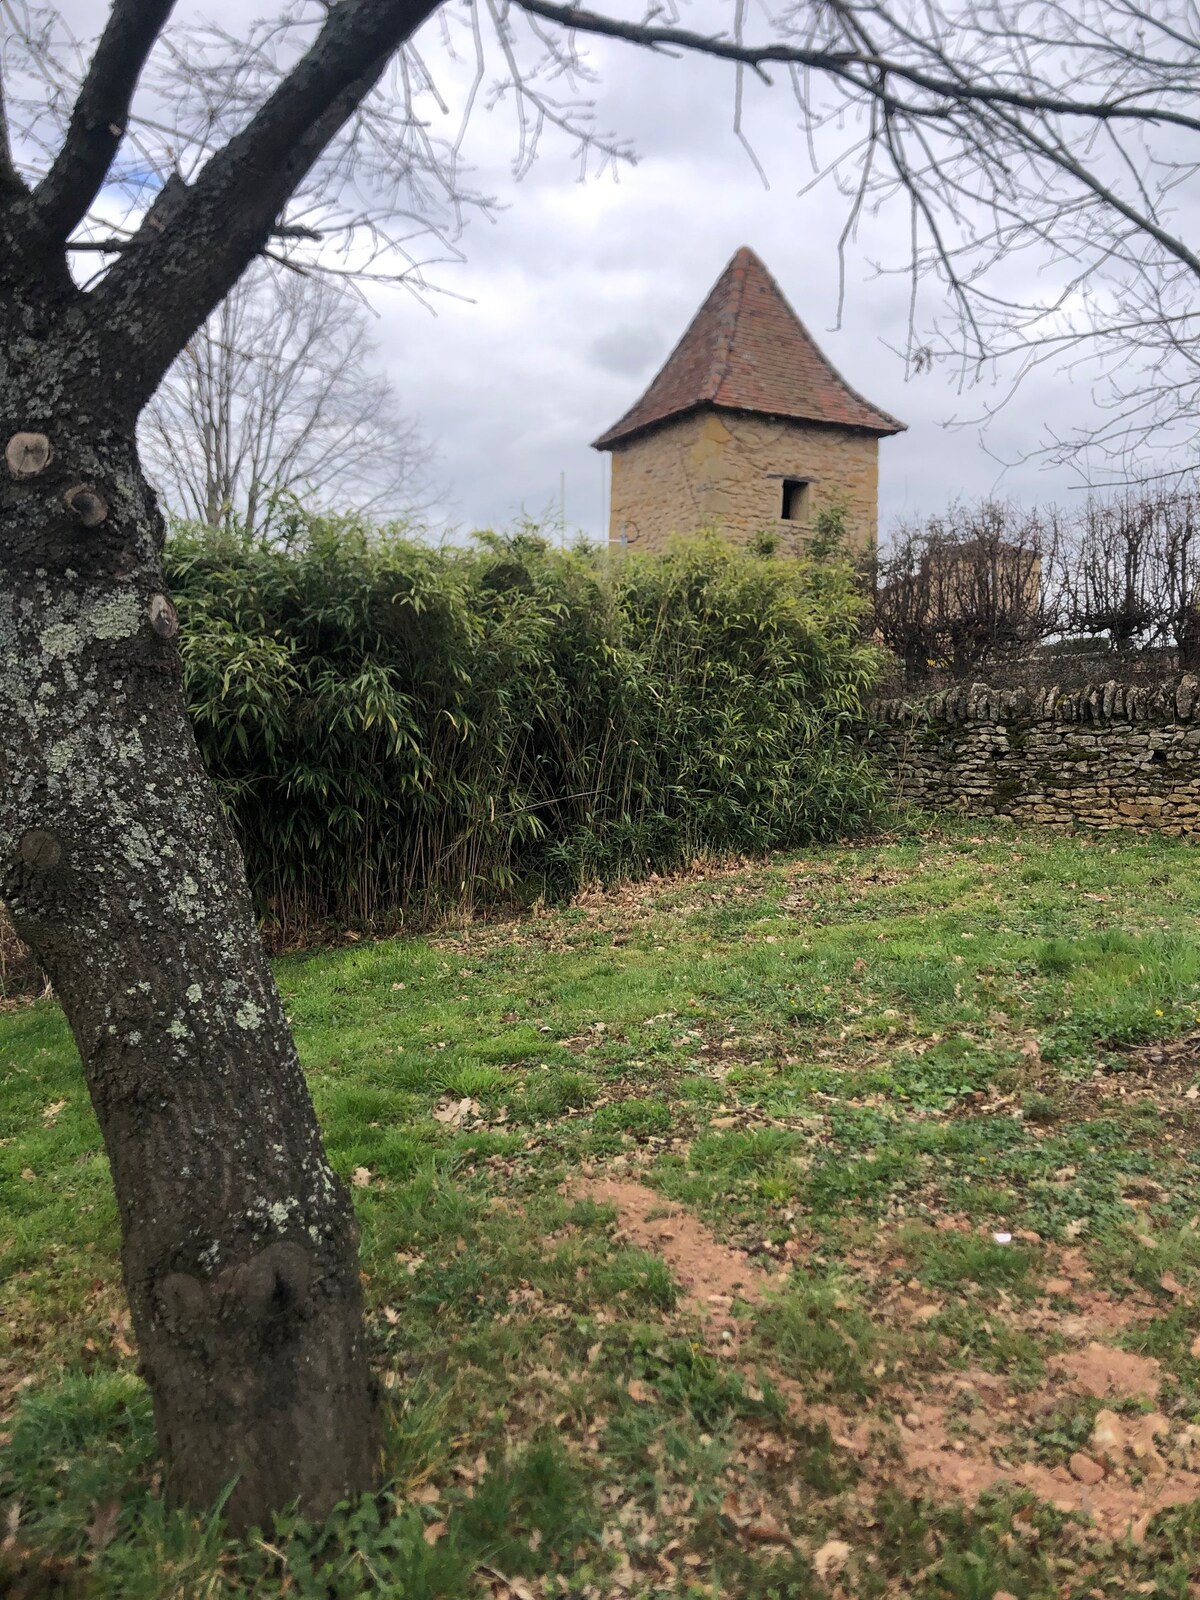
(396, 728)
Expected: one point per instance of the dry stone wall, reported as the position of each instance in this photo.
(1112, 755)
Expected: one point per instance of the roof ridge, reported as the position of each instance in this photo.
(739, 276)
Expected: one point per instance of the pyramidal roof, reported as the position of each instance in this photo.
(747, 350)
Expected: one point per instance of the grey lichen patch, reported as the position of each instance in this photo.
(116, 617)
(61, 639)
(194, 992)
(60, 756)
(248, 1015)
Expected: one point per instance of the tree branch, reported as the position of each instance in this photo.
(854, 66)
(117, 245)
(155, 297)
(10, 179)
(61, 200)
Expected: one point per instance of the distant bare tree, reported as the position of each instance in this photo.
(983, 582)
(1133, 571)
(277, 394)
(965, 587)
(1116, 575)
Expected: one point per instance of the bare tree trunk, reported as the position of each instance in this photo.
(238, 1243)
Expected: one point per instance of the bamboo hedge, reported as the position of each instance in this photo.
(397, 729)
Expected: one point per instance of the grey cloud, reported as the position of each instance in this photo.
(574, 294)
(629, 352)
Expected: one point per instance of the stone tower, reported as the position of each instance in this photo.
(746, 428)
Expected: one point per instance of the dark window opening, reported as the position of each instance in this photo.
(795, 500)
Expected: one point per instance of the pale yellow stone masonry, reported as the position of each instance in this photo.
(725, 470)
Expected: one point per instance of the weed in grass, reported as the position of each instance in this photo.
(1065, 1428)
(953, 1260)
(744, 1154)
(531, 1512)
(1043, 1109)
(976, 1339)
(640, 1118)
(820, 1336)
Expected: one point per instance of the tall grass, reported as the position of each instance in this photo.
(397, 728)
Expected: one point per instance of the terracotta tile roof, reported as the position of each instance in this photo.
(747, 350)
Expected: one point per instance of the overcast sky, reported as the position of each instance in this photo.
(565, 303)
(574, 295)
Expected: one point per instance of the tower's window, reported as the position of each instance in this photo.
(795, 500)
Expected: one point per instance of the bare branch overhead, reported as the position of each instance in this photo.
(1061, 131)
(168, 287)
(861, 67)
(10, 180)
(98, 121)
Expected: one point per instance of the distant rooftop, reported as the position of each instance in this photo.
(747, 350)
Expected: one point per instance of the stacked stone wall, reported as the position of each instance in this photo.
(1112, 755)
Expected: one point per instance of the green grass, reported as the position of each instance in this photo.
(856, 1066)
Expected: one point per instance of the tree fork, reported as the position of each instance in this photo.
(239, 1246)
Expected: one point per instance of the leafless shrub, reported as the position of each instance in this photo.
(965, 587)
(1134, 572)
(992, 582)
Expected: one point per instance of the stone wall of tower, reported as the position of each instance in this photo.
(725, 470)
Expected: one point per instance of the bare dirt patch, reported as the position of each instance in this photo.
(966, 1433)
(1107, 1374)
(712, 1275)
(1132, 1468)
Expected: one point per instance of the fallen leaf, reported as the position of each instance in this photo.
(28, 1174)
(831, 1558)
(103, 1524)
(766, 1530)
(453, 1111)
(361, 1178)
(639, 1391)
(1170, 1283)
(1108, 1434)
(434, 1532)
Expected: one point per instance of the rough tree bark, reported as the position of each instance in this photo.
(239, 1244)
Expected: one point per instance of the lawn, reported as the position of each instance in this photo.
(827, 1226)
